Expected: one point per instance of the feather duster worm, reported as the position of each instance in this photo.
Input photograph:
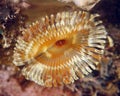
(59, 49)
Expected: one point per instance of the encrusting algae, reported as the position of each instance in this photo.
(59, 49)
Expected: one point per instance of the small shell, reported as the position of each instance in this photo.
(61, 48)
(83, 4)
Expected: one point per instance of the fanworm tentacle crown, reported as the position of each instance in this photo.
(59, 49)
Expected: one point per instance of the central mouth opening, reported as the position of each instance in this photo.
(60, 43)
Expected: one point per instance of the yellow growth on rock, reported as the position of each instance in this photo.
(59, 49)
